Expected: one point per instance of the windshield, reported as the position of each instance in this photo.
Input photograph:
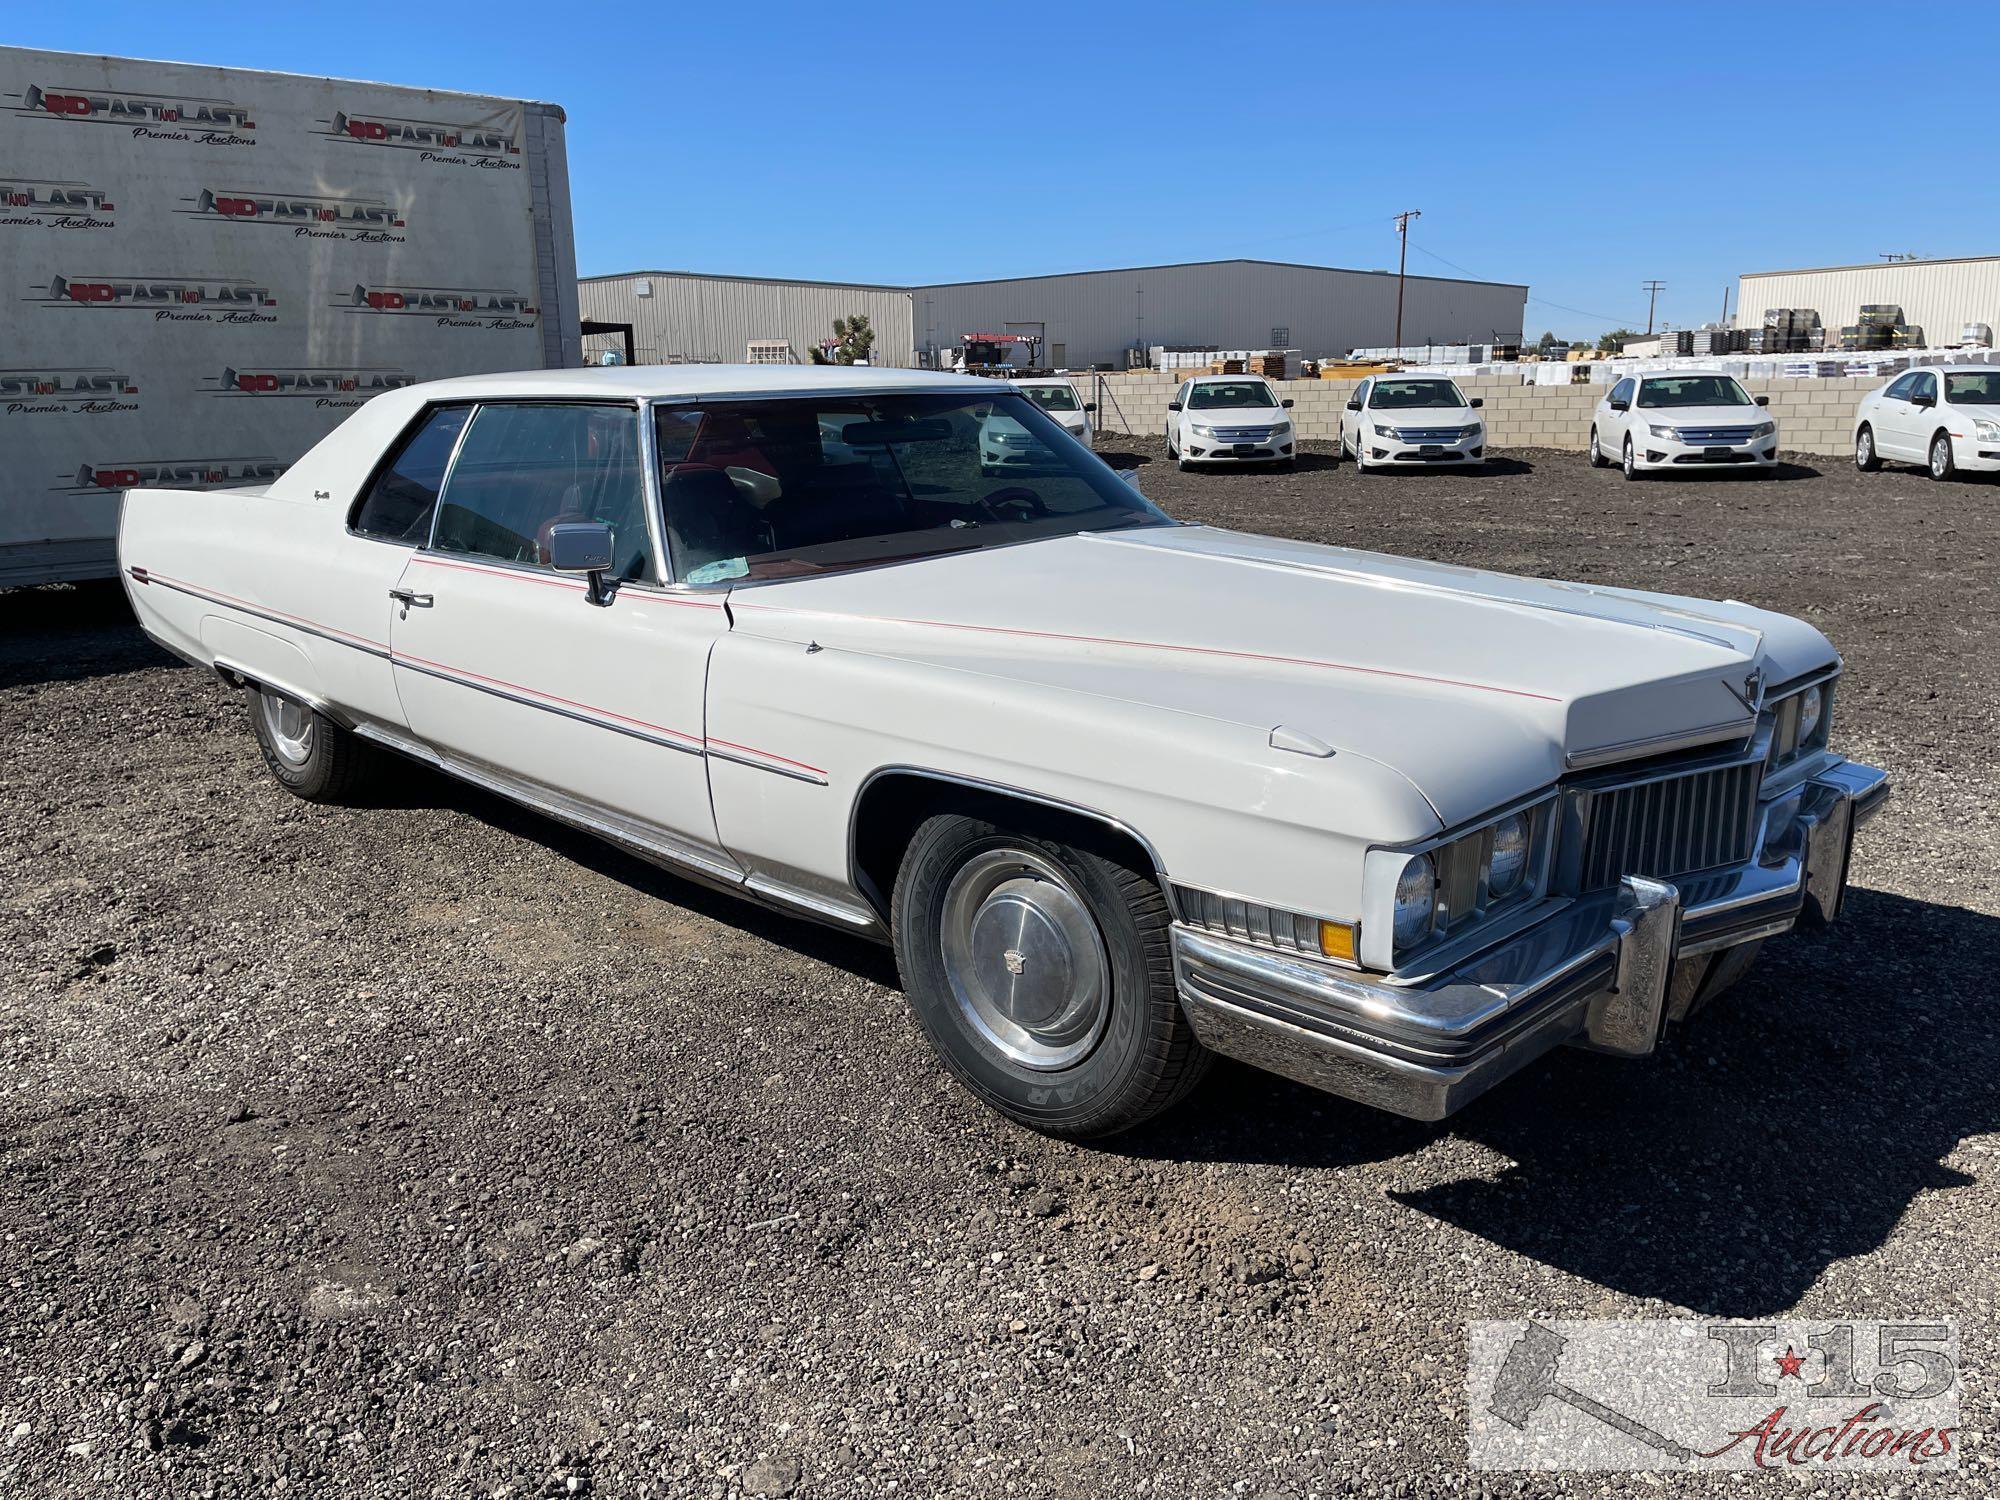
(1974, 388)
(1217, 393)
(1393, 394)
(1051, 397)
(787, 488)
(1693, 390)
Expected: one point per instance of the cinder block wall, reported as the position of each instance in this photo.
(1813, 416)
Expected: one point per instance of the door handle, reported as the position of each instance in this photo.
(410, 599)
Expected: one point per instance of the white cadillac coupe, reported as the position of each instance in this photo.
(1123, 793)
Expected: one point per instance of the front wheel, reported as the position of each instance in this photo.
(1630, 462)
(1042, 972)
(1866, 459)
(1596, 453)
(1944, 463)
(311, 756)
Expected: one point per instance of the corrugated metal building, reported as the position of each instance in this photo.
(1094, 317)
(1941, 296)
(680, 317)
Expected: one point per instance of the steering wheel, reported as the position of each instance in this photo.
(1027, 500)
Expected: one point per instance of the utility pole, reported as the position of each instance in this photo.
(1402, 260)
(1652, 291)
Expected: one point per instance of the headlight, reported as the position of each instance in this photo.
(1509, 864)
(1416, 896)
(1381, 431)
(1764, 429)
(1811, 702)
(1665, 432)
(1469, 432)
(1989, 432)
(1200, 431)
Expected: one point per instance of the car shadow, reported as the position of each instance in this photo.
(857, 955)
(1789, 1126)
(68, 632)
(1490, 468)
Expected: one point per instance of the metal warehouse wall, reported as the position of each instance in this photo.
(1941, 295)
(714, 318)
(1097, 315)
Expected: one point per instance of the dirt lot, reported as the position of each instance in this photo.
(433, 1149)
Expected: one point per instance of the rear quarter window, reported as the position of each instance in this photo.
(401, 499)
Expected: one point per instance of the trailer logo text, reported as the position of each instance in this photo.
(43, 204)
(332, 388)
(52, 392)
(450, 307)
(458, 145)
(177, 473)
(170, 299)
(152, 117)
(307, 215)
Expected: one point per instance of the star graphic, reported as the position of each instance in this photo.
(1790, 1363)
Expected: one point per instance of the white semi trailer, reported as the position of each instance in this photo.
(204, 270)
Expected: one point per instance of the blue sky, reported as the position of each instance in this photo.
(1579, 148)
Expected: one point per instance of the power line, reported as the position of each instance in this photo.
(1543, 301)
(1652, 290)
(1402, 260)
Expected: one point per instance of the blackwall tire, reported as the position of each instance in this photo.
(1866, 458)
(1943, 465)
(311, 756)
(1042, 973)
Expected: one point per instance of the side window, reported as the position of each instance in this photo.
(525, 467)
(1623, 390)
(1361, 392)
(1900, 388)
(1926, 387)
(398, 505)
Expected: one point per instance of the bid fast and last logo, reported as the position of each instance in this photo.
(66, 392)
(169, 299)
(368, 221)
(43, 203)
(448, 307)
(171, 473)
(446, 142)
(151, 115)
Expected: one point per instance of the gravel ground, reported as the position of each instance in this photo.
(432, 1148)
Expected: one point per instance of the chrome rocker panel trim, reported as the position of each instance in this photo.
(1597, 972)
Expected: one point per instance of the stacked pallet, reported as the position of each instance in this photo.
(1881, 327)
(1270, 366)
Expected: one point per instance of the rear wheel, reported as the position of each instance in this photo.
(1866, 459)
(1042, 972)
(311, 756)
(1943, 462)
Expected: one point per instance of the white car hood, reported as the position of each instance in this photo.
(1479, 687)
(1237, 416)
(1422, 416)
(1701, 416)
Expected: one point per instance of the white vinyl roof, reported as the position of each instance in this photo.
(637, 382)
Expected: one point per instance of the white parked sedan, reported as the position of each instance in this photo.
(1393, 420)
(1683, 420)
(1122, 793)
(1906, 421)
(1229, 419)
(1059, 399)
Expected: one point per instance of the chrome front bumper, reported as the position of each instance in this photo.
(1606, 971)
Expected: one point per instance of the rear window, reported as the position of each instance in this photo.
(400, 503)
(1212, 394)
(1693, 390)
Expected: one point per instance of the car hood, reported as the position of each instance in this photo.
(1702, 416)
(1423, 416)
(1478, 687)
(1237, 416)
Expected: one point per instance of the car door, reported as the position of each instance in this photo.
(1176, 419)
(1888, 415)
(1613, 424)
(509, 670)
(1350, 421)
(1917, 416)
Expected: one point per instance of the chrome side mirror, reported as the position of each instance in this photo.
(584, 547)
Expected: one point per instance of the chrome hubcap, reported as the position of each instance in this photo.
(1864, 448)
(1025, 961)
(1940, 458)
(289, 726)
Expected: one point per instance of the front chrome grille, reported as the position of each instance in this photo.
(1243, 434)
(1714, 436)
(1668, 826)
(1429, 434)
